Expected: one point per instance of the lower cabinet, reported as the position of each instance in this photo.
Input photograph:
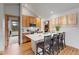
(25, 39)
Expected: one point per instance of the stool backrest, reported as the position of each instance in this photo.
(47, 39)
(55, 39)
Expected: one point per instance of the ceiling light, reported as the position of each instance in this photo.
(51, 12)
(46, 22)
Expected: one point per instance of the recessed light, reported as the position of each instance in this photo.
(51, 12)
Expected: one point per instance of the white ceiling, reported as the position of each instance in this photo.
(44, 9)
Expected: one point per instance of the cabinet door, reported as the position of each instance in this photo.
(53, 23)
(38, 22)
(62, 20)
(23, 21)
(71, 19)
(31, 20)
(27, 21)
(56, 21)
(34, 20)
(24, 38)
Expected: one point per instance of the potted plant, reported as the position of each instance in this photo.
(57, 28)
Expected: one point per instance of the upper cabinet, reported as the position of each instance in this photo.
(58, 21)
(68, 20)
(38, 22)
(27, 20)
(23, 21)
(31, 19)
(62, 20)
(71, 19)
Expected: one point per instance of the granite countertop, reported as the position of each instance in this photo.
(38, 36)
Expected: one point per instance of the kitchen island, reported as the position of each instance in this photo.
(37, 37)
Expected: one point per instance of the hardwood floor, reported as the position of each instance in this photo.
(69, 51)
(15, 49)
(25, 49)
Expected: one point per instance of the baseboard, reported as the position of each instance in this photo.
(72, 47)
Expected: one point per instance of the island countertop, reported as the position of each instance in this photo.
(38, 36)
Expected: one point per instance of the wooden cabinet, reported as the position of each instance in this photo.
(62, 20)
(31, 19)
(56, 21)
(53, 22)
(35, 20)
(38, 22)
(27, 20)
(71, 19)
(23, 21)
(24, 38)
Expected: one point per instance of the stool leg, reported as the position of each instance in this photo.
(36, 50)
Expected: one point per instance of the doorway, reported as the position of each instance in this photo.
(46, 26)
(12, 30)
